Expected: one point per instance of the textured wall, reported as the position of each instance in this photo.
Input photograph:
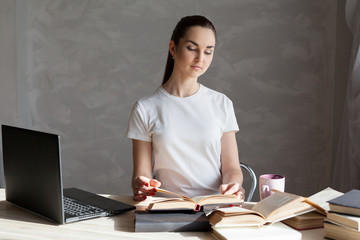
(8, 102)
(88, 61)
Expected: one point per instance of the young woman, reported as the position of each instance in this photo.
(188, 128)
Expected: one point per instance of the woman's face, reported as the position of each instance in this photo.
(194, 53)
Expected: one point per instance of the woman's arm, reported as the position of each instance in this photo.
(142, 182)
(232, 177)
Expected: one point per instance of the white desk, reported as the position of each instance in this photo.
(16, 224)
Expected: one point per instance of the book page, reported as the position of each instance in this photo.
(184, 202)
(207, 199)
(176, 194)
(235, 211)
(217, 199)
(295, 208)
(323, 196)
(274, 202)
(236, 216)
(171, 203)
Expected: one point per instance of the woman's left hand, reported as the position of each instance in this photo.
(233, 188)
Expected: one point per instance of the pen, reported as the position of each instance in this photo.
(317, 207)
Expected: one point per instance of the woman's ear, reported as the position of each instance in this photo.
(172, 48)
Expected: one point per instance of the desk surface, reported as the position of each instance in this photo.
(16, 223)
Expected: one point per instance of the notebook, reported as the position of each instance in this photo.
(33, 180)
(276, 231)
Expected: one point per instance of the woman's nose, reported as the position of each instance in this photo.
(199, 57)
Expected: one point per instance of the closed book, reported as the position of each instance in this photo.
(276, 231)
(349, 203)
(338, 232)
(345, 220)
(306, 221)
(171, 222)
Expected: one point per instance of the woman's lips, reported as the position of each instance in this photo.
(196, 67)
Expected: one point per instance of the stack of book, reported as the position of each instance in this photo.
(274, 208)
(296, 211)
(314, 219)
(259, 221)
(180, 213)
(343, 219)
(265, 219)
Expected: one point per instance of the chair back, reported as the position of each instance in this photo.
(253, 181)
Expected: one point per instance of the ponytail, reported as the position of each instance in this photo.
(168, 68)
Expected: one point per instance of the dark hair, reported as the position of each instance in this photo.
(179, 32)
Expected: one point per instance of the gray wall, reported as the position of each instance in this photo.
(8, 99)
(342, 60)
(80, 66)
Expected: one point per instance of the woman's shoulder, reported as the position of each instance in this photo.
(215, 95)
(149, 100)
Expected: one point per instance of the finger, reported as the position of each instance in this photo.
(145, 191)
(223, 188)
(155, 183)
(138, 191)
(242, 195)
(139, 197)
(142, 184)
(141, 180)
(233, 189)
(238, 194)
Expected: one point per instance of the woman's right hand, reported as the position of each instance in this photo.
(143, 187)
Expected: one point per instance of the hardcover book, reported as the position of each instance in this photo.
(338, 232)
(306, 221)
(171, 222)
(349, 203)
(344, 220)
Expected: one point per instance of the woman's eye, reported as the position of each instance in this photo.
(208, 53)
(191, 48)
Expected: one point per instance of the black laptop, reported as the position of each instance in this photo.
(33, 180)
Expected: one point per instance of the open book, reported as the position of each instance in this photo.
(195, 204)
(275, 208)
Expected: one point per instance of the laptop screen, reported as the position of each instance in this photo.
(32, 171)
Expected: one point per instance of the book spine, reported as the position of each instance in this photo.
(172, 227)
(170, 222)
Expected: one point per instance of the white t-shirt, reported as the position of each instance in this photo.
(186, 137)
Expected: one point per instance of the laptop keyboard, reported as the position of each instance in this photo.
(75, 208)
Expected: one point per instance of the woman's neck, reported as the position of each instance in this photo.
(181, 87)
